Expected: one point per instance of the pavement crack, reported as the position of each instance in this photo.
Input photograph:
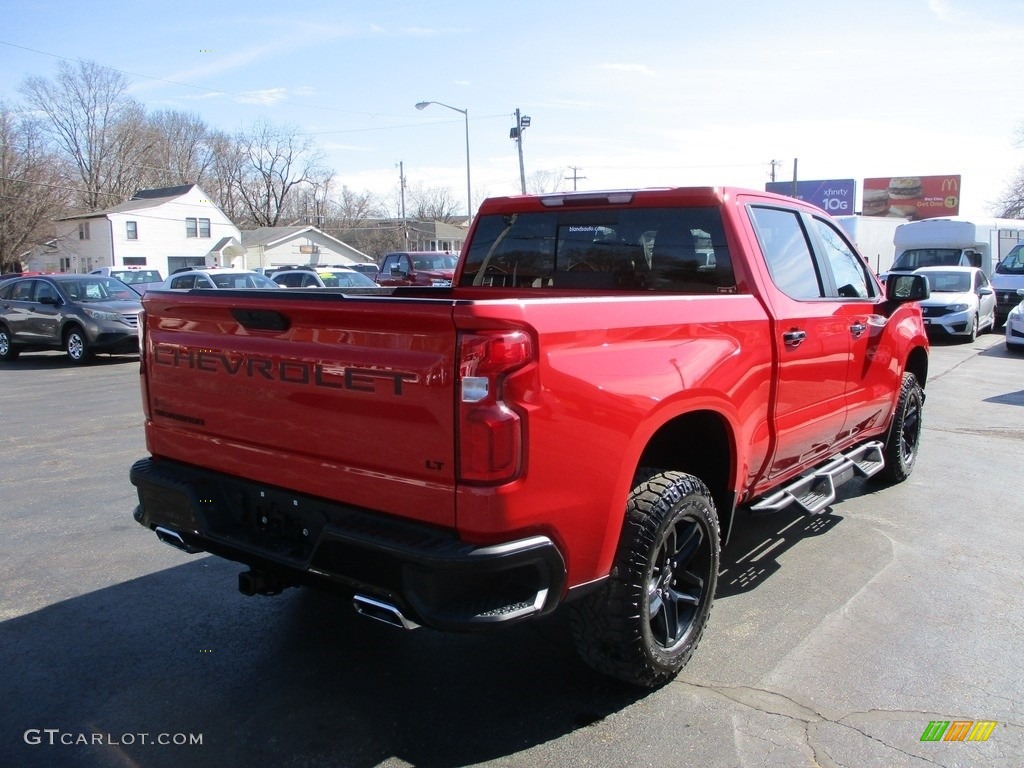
(774, 703)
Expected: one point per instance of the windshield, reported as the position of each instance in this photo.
(86, 289)
(1013, 262)
(949, 282)
(927, 257)
(433, 262)
(137, 276)
(345, 279)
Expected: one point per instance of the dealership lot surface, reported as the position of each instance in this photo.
(835, 640)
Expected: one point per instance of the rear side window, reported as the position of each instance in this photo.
(185, 281)
(679, 250)
(787, 252)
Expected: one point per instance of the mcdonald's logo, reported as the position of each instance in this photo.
(958, 730)
(951, 184)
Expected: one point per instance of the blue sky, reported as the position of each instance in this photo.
(648, 93)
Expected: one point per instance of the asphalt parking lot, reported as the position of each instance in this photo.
(836, 640)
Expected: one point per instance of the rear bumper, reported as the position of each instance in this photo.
(119, 341)
(434, 578)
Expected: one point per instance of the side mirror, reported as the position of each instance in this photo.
(903, 288)
(985, 291)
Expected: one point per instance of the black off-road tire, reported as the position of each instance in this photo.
(7, 350)
(76, 345)
(646, 621)
(903, 442)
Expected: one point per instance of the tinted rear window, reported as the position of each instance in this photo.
(681, 250)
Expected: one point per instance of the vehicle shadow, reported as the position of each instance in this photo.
(757, 541)
(298, 679)
(48, 361)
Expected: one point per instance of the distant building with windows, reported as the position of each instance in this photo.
(163, 229)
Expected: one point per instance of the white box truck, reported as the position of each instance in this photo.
(873, 236)
(955, 241)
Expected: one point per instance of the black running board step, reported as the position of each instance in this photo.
(815, 491)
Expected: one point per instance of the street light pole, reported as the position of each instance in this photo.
(465, 114)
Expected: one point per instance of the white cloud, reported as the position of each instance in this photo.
(265, 96)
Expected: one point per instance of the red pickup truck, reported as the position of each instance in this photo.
(575, 421)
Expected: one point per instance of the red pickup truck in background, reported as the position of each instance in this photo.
(434, 268)
(575, 421)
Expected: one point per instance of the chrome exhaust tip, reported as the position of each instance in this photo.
(385, 612)
(167, 536)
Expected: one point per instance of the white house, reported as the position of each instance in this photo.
(163, 229)
(277, 246)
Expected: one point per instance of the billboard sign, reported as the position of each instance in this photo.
(836, 196)
(912, 197)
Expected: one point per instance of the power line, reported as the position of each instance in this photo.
(575, 176)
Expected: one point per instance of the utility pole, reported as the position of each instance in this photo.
(774, 164)
(575, 176)
(794, 177)
(522, 123)
(401, 187)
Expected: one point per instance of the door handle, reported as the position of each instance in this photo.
(794, 338)
(857, 329)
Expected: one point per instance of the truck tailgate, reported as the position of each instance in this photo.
(314, 393)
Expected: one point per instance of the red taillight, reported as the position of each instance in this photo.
(141, 330)
(490, 432)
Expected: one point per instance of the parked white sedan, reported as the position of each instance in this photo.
(1015, 325)
(962, 301)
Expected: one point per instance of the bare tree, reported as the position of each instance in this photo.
(353, 209)
(310, 202)
(1011, 204)
(274, 160)
(33, 186)
(544, 182)
(432, 204)
(93, 121)
(180, 151)
(227, 167)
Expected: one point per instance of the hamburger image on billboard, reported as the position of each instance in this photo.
(911, 197)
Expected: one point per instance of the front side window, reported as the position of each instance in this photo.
(847, 267)
(132, 230)
(393, 262)
(679, 250)
(788, 252)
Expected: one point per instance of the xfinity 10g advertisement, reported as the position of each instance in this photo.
(835, 196)
(912, 197)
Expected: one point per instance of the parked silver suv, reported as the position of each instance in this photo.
(81, 314)
(187, 278)
(322, 277)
